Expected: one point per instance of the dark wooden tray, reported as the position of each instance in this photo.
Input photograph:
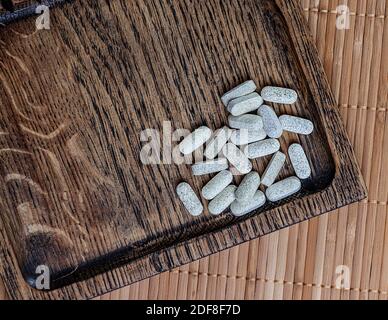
(74, 100)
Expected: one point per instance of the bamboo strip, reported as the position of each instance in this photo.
(203, 279)
(211, 289)
(173, 284)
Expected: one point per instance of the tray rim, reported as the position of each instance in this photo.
(203, 245)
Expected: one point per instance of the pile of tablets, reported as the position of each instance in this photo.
(230, 150)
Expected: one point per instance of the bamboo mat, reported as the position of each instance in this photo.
(301, 262)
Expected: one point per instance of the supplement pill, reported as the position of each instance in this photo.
(262, 148)
(223, 201)
(244, 136)
(189, 199)
(217, 143)
(217, 185)
(246, 121)
(296, 125)
(195, 140)
(272, 125)
(240, 209)
(237, 158)
(248, 187)
(208, 167)
(275, 166)
(242, 90)
(279, 95)
(299, 161)
(283, 189)
(245, 104)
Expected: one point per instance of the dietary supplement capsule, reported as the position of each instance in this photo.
(299, 161)
(240, 209)
(273, 169)
(248, 187)
(217, 185)
(262, 148)
(217, 143)
(189, 199)
(296, 125)
(283, 189)
(241, 90)
(223, 201)
(244, 136)
(279, 95)
(237, 158)
(246, 121)
(245, 104)
(195, 140)
(208, 167)
(272, 125)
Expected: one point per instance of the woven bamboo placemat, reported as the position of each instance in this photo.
(309, 260)
(305, 261)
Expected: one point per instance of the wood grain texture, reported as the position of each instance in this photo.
(337, 236)
(73, 195)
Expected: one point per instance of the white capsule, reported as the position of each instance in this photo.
(279, 95)
(272, 125)
(299, 161)
(242, 90)
(240, 209)
(217, 143)
(237, 158)
(244, 136)
(223, 201)
(273, 169)
(189, 199)
(283, 189)
(296, 125)
(248, 187)
(245, 104)
(195, 140)
(246, 121)
(217, 185)
(208, 167)
(262, 148)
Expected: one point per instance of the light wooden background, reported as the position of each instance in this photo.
(301, 262)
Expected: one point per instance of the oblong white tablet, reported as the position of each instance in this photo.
(245, 104)
(241, 90)
(296, 125)
(248, 187)
(272, 125)
(217, 185)
(208, 167)
(195, 140)
(223, 201)
(283, 189)
(262, 148)
(189, 199)
(240, 209)
(237, 158)
(299, 161)
(244, 136)
(279, 95)
(246, 121)
(215, 146)
(273, 169)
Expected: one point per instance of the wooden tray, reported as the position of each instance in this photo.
(74, 100)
